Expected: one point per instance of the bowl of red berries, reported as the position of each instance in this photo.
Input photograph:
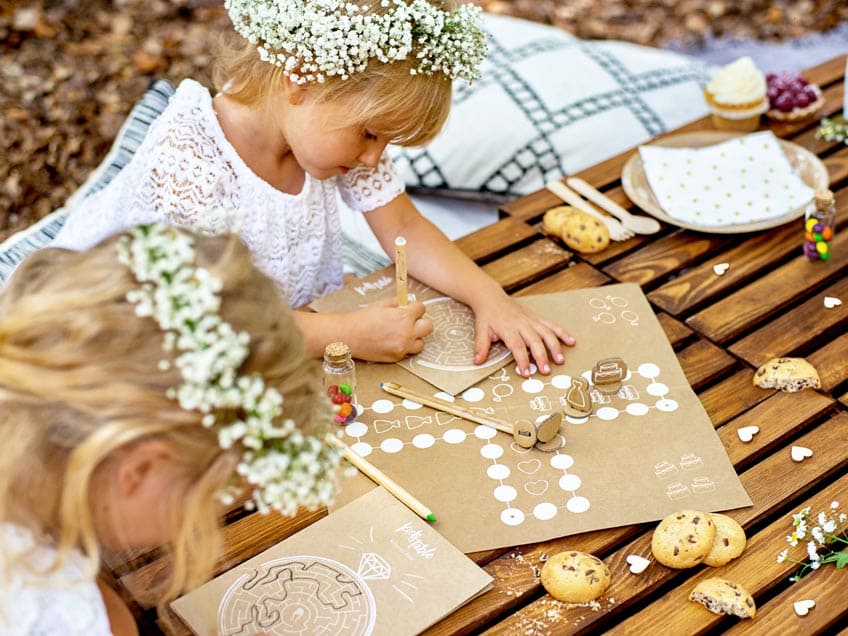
(791, 97)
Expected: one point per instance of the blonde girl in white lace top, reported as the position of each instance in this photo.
(308, 100)
(96, 454)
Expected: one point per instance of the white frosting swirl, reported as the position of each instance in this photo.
(740, 82)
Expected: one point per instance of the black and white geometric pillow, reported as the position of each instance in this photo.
(547, 105)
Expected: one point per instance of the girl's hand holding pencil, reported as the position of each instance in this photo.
(385, 332)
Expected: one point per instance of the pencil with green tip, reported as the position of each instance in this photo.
(379, 477)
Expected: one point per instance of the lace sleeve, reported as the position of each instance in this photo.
(365, 189)
(62, 601)
(179, 172)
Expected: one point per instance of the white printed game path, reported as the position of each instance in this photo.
(517, 471)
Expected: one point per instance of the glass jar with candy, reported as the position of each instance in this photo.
(340, 381)
(819, 225)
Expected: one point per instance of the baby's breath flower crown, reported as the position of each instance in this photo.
(315, 39)
(285, 468)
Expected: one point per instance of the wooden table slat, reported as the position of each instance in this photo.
(831, 362)
(495, 238)
(795, 329)
(703, 362)
(527, 263)
(777, 616)
(577, 276)
(780, 417)
(700, 284)
(731, 397)
(671, 253)
(742, 310)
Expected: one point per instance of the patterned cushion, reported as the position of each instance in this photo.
(549, 104)
(14, 249)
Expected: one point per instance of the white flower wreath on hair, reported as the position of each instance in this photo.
(285, 468)
(315, 39)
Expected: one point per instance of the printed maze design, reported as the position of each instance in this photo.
(298, 596)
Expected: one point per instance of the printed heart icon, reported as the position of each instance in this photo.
(536, 487)
(721, 268)
(746, 433)
(830, 302)
(637, 564)
(800, 453)
(802, 608)
(529, 466)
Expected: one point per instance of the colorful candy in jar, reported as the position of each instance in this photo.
(817, 236)
(342, 398)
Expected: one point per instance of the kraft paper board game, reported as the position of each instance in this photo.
(372, 567)
(448, 357)
(647, 448)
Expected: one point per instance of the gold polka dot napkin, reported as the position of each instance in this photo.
(739, 181)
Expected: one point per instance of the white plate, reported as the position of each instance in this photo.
(805, 164)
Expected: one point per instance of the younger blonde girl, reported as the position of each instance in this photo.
(308, 100)
(119, 435)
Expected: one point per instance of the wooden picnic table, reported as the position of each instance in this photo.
(768, 303)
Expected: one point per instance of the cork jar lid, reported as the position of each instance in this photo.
(823, 197)
(336, 351)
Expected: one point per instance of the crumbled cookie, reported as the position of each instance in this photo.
(787, 374)
(575, 577)
(580, 231)
(721, 596)
(683, 539)
(729, 541)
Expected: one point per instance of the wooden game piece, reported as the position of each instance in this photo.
(547, 427)
(524, 434)
(578, 402)
(608, 373)
(549, 447)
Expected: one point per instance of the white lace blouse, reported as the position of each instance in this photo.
(185, 166)
(66, 601)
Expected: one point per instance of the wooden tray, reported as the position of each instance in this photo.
(805, 164)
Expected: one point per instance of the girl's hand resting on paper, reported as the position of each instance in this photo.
(385, 332)
(524, 332)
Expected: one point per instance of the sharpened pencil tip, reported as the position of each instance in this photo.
(431, 517)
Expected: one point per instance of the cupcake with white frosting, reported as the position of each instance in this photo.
(737, 96)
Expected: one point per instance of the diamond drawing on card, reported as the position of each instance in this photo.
(373, 566)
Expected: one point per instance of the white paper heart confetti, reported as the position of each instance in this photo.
(746, 433)
(802, 608)
(800, 453)
(831, 301)
(637, 564)
(721, 268)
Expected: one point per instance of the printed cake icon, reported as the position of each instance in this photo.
(690, 461)
(677, 490)
(664, 469)
(703, 484)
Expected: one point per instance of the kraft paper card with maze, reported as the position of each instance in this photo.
(373, 567)
(447, 360)
(647, 448)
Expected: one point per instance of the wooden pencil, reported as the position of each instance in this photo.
(379, 477)
(447, 407)
(401, 288)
